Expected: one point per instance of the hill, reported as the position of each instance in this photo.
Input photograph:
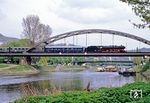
(17, 43)
(4, 39)
(141, 50)
(145, 49)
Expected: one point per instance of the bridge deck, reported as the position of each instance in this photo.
(77, 54)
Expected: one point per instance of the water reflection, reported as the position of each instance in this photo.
(47, 83)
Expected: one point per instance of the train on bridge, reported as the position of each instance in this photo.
(67, 49)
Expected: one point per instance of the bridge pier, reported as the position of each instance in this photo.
(26, 60)
(29, 60)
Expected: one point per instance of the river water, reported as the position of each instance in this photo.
(14, 87)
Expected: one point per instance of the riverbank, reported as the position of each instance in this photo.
(102, 95)
(52, 68)
(143, 69)
(27, 70)
(18, 70)
(146, 70)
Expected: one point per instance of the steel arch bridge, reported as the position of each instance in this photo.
(88, 31)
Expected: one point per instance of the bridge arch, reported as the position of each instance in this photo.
(89, 31)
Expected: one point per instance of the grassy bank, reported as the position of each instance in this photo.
(22, 70)
(102, 95)
(3, 66)
(53, 68)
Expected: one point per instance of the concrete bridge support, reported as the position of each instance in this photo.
(29, 60)
(26, 60)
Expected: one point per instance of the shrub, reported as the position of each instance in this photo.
(102, 95)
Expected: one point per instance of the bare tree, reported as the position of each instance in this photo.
(44, 32)
(34, 30)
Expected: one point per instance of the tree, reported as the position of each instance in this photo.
(43, 31)
(142, 9)
(34, 30)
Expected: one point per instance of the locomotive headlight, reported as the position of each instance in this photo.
(85, 53)
(60, 53)
(145, 56)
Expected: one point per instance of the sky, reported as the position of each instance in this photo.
(68, 15)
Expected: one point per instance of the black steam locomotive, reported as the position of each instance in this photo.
(67, 49)
(105, 49)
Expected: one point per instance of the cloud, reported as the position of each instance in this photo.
(68, 15)
(2, 15)
(93, 11)
(88, 3)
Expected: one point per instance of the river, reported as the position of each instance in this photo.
(14, 87)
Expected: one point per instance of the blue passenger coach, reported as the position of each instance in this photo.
(64, 49)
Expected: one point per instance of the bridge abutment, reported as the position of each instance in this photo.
(26, 60)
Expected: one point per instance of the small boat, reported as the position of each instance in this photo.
(127, 73)
(109, 68)
(100, 69)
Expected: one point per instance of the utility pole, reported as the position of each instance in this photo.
(101, 39)
(77, 40)
(73, 40)
(139, 46)
(113, 39)
(126, 43)
(65, 41)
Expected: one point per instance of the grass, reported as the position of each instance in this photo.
(49, 68)
(22, 67)
(4, 65)
(102, 95)
(22, 70)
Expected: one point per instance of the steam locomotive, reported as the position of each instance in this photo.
(67, 49)
(105, 49)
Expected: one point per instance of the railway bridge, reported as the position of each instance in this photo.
(87, 31)
(28, 53)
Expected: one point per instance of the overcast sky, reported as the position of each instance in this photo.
(67, 15)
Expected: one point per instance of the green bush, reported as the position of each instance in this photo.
(102, 95)
(146, 66)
